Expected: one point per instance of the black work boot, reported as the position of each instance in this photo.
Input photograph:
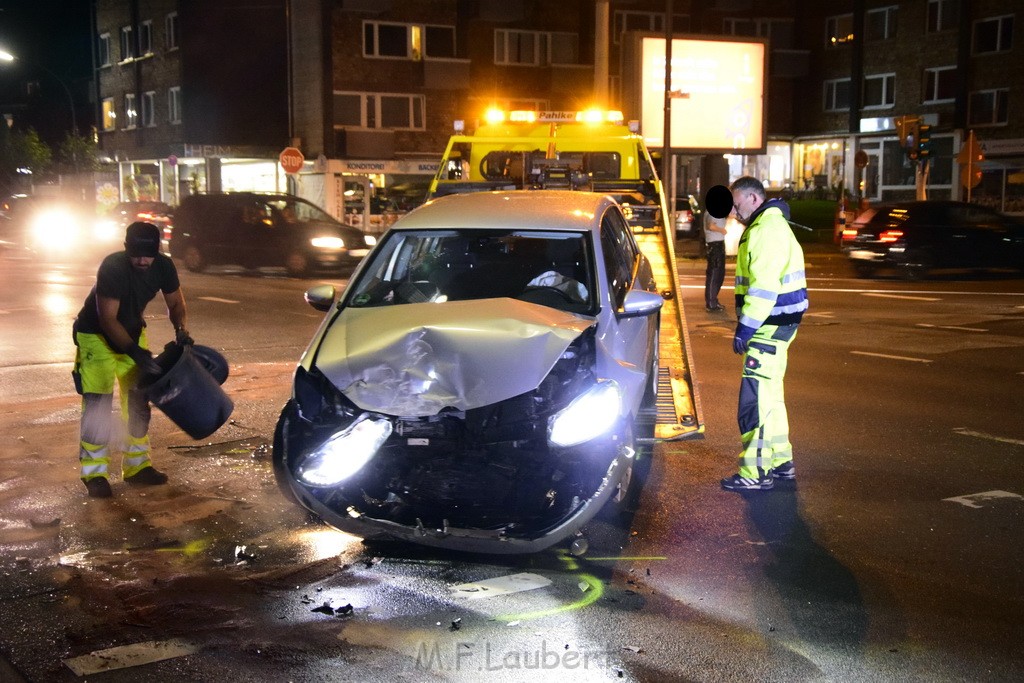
(98, 487)
(147, 476)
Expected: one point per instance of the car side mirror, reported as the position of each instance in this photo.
(640, 302)
(320, 297)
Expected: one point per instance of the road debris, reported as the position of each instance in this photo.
(125, 656)
(502, 585)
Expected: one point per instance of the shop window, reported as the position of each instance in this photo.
(993, 35)
(988, 107)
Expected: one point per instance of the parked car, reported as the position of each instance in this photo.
(476, 386)
(688, 218)
(256, 230)
(159, 214)
(919, 236)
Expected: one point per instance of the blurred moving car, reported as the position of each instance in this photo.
(919, 236)
(55, 228)
(254, 230)
(476, 386)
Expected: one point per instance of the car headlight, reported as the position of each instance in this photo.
(371, 240)
(106, 230)
(590, 415)
(328, 242)
(56, 229)
(344, 453)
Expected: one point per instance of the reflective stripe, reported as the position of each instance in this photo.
(136, 456)
(763, 294)
(795, 275)
(94, 459)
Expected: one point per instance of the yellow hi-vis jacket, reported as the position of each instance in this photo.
(771, 285)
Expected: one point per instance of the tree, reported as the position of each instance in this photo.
(78, 153)
(23, 153)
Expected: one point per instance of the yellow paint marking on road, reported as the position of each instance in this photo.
(991, 437)
(891, 357)
(217, 299)
(901, 296)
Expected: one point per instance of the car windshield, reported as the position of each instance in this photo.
(548, 268)
(293, 211)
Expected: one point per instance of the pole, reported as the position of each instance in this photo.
(666, 151)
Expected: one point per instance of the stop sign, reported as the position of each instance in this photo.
(291, 160)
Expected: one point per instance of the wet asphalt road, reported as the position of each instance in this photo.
(902, 396)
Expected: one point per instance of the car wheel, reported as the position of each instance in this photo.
(297, 264)
(279, 452)
(193, 259)
(864, 269)
(917, 266)
(623, 499)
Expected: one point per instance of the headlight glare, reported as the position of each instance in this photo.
(344, 453)
(328, 242)
(371, 240)
(590, 415)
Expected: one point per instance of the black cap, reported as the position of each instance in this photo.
(142, 239)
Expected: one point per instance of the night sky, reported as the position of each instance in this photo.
(54, 35)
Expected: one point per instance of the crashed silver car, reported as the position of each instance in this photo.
(476, 385)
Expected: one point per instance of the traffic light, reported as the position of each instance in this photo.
(924, 141)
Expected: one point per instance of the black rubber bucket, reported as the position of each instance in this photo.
(188, 394)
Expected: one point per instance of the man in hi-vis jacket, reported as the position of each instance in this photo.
(771, 297)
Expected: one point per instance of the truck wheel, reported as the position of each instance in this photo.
(193, 259)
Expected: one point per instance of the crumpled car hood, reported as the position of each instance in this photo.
(414, 360)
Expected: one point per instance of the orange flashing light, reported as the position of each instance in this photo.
(522, 116)
(494, 115)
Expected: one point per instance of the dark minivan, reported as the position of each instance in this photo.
(255, 230)
(916, 237)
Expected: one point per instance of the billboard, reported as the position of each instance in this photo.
(717, 94)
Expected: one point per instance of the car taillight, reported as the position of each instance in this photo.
(849, 233)
(890, 236)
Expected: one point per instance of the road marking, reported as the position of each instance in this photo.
(218, 299)
(818, 314)
(901, 296)
(952, 327)
(990, 437)
(972, 500)
(885, 355)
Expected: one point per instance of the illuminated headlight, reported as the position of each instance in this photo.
(345, 453)
(55, 229)
(328, 242)
(370, 240)
(589, 415)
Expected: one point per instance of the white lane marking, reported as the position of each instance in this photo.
(990, 437)
(901, 296)
(218, 299)
(971, 500)
(952, 327)
(818, 314)
(885, 355)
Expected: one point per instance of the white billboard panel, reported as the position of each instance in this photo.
(718, 94)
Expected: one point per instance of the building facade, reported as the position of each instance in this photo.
(199, 96)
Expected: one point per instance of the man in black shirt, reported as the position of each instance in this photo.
(110, 333)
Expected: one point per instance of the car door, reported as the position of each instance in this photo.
(990, 235)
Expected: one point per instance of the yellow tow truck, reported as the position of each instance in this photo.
(589, 151)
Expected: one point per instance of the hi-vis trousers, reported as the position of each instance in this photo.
(763, 422)
(97, 366)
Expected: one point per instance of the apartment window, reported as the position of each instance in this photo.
(131, 114)
(939, 84)
(993, 35)
(988, 107)
(148, 99)
(839, 29)
(109, 114)
(127, 43)
(778, 31)
(174, 104)
(535, 48)
(628, 20)
(837, 95)
(146, 38)
(943, 15)
(103, 50)
(408, 41)
(879, 91)
(394, 111)
(171, 31)
(880, 23)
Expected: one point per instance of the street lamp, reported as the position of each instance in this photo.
(6, 56)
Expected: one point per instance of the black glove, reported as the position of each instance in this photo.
(144, 359)
(182, 337)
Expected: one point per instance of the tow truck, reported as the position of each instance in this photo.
(594, 151)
